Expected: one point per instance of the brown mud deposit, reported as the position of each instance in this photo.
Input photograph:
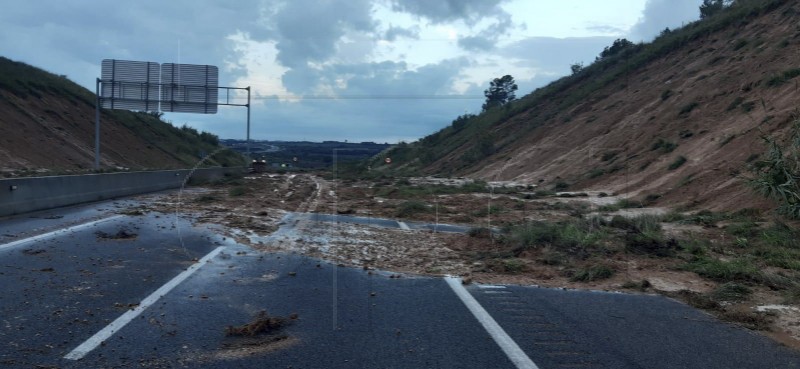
(251, 210)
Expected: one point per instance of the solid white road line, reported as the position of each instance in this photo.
(403, 225)
(58, 232)
(509, 347)
(104, 334)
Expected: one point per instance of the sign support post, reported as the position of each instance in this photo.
(97, 126)
(248, 123)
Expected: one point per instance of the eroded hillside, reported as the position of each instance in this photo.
(47, 125)
(676, 121)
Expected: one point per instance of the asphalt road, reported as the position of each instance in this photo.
(166, 309)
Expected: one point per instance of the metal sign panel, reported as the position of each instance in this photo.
(130, 85)
(189, 88)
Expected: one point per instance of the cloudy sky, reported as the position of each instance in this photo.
(357, 70)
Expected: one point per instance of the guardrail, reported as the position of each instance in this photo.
(23, 195)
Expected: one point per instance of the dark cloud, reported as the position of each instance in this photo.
(442, 11)
(487, 38)
(393, 33)
(555, 55)
(308, 30)
(660, 14)
(73, 37)
(476, 43)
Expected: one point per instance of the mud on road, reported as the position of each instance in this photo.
(251, 209)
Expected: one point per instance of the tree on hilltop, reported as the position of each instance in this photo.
(711, 7)
(501, 91)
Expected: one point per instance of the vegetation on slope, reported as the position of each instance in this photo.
(182, 144)
(472, 135)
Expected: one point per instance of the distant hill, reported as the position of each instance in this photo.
(307, 154)
(676, 121)
(47, 125)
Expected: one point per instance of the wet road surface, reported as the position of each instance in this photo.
(91, 269)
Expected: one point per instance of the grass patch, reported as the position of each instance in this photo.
(783, 77)
(731, 291)
(643, 285)
(485, 211)
(513, 266)
(779, 257)
(724, 271)
(592, 273)
(781, 235)
(574, 235)
(411, 207)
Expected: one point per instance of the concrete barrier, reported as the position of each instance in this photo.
(22, 195)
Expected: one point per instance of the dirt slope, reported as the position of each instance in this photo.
(47, 124)
(707, 100)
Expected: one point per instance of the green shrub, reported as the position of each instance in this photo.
(650, 242)
(680, 160)
(409, 208)
(237, 191)
(735, 103)
(596, 172)
(593, 273)
(663, 145)
(782, 78)
(479, 232)
(686, 109)
(724, 271)
(748, 106)
(777, 174)
(513, 266)
(731, 291)
(567, 235)
(740, 43)
(745, 229)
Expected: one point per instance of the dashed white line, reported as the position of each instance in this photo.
(58, 232)
(403, 225)
(490, 286)
(101, 336)
(509, 347)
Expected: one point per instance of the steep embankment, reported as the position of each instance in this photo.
(676, 121)
(47, 124)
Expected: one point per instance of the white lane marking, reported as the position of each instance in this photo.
(104, 334)
(493, 291)
(489, 286)
(509, 347)
(403, 225)
(58, 232)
